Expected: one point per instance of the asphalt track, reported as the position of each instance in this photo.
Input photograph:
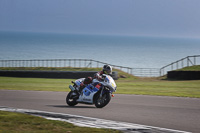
(166, 112)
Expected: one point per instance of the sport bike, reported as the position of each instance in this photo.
(98, 92)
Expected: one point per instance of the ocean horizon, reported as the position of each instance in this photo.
(129, 51)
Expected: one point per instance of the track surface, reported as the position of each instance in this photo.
(166, 112)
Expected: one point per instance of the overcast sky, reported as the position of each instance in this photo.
(123, 17)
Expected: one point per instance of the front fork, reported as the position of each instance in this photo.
(102, 92)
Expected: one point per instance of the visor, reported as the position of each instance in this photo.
(107, 72)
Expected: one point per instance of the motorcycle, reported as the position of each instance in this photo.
(98, 92)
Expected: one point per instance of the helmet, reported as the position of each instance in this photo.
(107, 69)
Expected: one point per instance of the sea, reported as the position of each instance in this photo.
(128, 51)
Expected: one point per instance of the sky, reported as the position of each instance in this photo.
(170, 18)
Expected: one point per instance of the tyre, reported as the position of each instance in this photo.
(71, 98)
(103, 101)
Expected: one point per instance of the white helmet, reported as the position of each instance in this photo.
(107, 69)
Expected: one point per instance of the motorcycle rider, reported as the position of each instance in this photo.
(107, 69)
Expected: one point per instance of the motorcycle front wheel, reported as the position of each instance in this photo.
(70, 99)
(102, 101)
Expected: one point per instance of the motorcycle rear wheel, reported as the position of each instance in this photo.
(70, 100)
(103, 101)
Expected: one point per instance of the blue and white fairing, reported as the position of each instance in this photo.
(89, 91)
(109, 82)
(88, 94)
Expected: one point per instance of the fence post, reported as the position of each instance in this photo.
(74, 62)
(64, 63)
(90, 63)
(163, 71)
(160, 72)
(85, 62)
(97, 64)
(69, 62)
(182, 63)
(172, 66)
(11, 63)
(58, 63)
(177, 65)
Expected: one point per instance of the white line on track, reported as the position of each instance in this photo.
(94, 122)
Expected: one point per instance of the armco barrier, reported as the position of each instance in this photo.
(51, 74)
(184, 75)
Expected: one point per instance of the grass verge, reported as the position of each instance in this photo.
(146, 86)
(17, 122)
(190, 68)
(189, 88)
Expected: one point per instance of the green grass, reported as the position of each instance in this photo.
(190, 88)
(147, 86)
(23, 123)
(35, 84)
(128, 85)
(191, 68)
